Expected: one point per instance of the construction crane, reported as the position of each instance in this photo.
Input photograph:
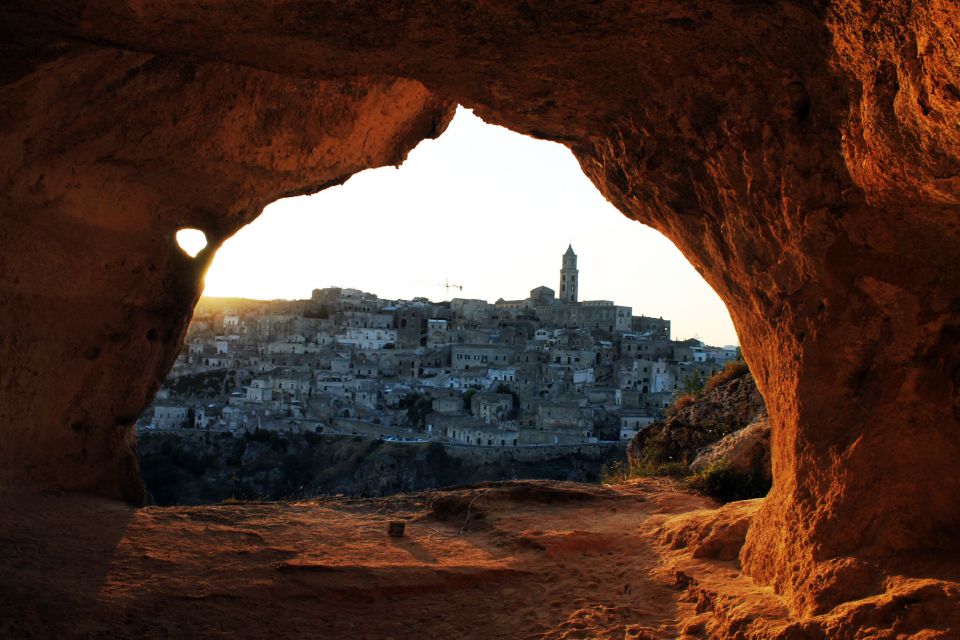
(447, 286)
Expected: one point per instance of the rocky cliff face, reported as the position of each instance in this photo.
(205, 468)
(683, 434)
(745, 451)
(805, 156)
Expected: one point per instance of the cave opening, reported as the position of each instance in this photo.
(482, 214)
(191, 241)
(807, 166)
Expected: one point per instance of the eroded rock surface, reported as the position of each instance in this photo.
(803, 155)
(743, 451)
(718, 534)
(688, 430)
(641, 560)
(106, 154)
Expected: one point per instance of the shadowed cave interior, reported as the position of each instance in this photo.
(807, 167)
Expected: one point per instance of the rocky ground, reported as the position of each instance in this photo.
(508, 560)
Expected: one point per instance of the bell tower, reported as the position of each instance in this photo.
(568, 276)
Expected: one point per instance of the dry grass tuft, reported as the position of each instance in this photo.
(682, 401)
(732, 371)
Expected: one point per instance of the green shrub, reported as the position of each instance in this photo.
(259, 435)
(209, 383)
(721, 482)
(618, 472)
(661, 450)
(235, 459)
(296, 473)
(417, 406)
(165, 479)
(276, 442)
(692, 385)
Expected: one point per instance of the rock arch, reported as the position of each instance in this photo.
(803, 155)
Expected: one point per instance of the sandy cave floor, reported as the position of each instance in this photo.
(535, 560)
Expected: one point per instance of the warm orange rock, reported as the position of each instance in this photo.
(804, 155)
(115, 152)
(745, 451)
(718, 534)
(535, 560)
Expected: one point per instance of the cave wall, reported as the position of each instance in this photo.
(107, 154)
(802, 155)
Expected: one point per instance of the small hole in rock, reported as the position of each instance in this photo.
(192, 241)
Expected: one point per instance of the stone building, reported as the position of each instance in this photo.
(451, 403)
(465, 356)
(541, 296)
(632, 421)
(654, 327)
(470, 309)
(595, 314)
(170, 416)
(567, 416)
(491, 407)
(411, 324)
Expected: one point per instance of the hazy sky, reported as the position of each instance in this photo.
(482, 207)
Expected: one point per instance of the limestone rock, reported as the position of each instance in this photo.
(742, 451)
(684, 433)
(805, 156)
(718, 534)
(123, 149)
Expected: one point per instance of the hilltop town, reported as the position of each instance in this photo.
(546, 370)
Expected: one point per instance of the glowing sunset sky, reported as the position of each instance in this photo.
(482, 206)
